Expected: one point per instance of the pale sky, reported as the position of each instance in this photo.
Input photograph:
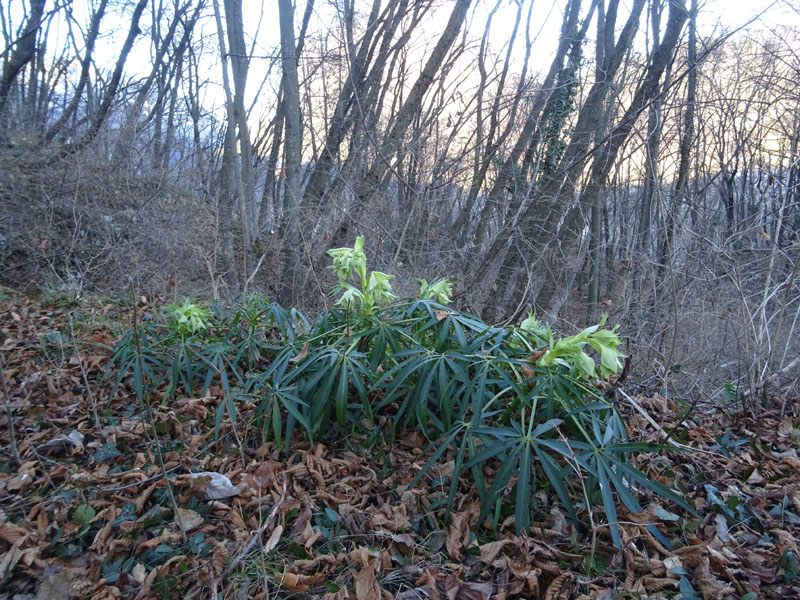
(261, 19)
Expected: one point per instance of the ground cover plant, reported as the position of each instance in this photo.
(513, 395)
(383, 448)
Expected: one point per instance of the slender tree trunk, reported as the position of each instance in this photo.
(687, 140)
(290, 231)
(22, 54)
(393, 139)
(239, 67)
(86, 63)
(127, 138)
(113, 85)
(231, 188)
(567, 229)
(571, 38)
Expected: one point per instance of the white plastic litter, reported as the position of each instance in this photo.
(219, 487)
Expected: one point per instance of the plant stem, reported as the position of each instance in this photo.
(12, 438)
(151, 422)
(83, 374)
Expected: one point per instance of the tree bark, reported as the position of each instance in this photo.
(687, 140)
(393, 139)
(605, 155)
(111, 89)
(22, 53)
(231, 188)
(290, 229)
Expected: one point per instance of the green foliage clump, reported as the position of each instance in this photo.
(351, 263)
(187, 319)
(515, 408)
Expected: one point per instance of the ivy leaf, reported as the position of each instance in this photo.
(83, 514)
(107, 452)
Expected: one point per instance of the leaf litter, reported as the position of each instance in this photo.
(85, 514)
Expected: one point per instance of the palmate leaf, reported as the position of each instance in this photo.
(381, 340)
(556, 475)
(515, 449)
(508, 467)
(141, 358)
(273, 395)
(429, 384)
(522, 503)
(228, 405)
(454, 479)
(608, 503)
(444, 443)
(604, 459)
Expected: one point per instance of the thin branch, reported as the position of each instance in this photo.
(247, 549)
(12, 438)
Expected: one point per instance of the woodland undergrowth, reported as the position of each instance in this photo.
(390, 447)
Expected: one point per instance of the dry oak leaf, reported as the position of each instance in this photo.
(303, 353)
(490, 550)
(15, 556)
(310, 537)
(367, 586)
(144, 591)
(11, 533)
(219, 558)
(301, 583)
(158, 540)
(300, 523)
(527, 576)
(102, 536)
(110, 592)
(650, 584)
(323, 562)
(189, 519)
(138, 506)
(441, 315)
(263, 478)
(24, 477)
(273, 540)
(450, 587)
(457, 536)
(559, 588)
(394, 521)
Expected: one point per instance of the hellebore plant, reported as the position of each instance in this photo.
(351, 263)
(513, 409)
(441, 291)
(187, 319)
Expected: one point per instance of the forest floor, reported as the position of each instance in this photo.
(86, 511)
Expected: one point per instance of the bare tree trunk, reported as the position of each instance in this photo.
(290, 229)
(111, 90)
(486, 146)
(231, 188)
(239, 66)
(687, 140)
(86, 63)
(22, 54)
(559, 187)
(356, 88)
(391, 143)
(571, 38)
(568, 229)
(269, 194)
(127, 136)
